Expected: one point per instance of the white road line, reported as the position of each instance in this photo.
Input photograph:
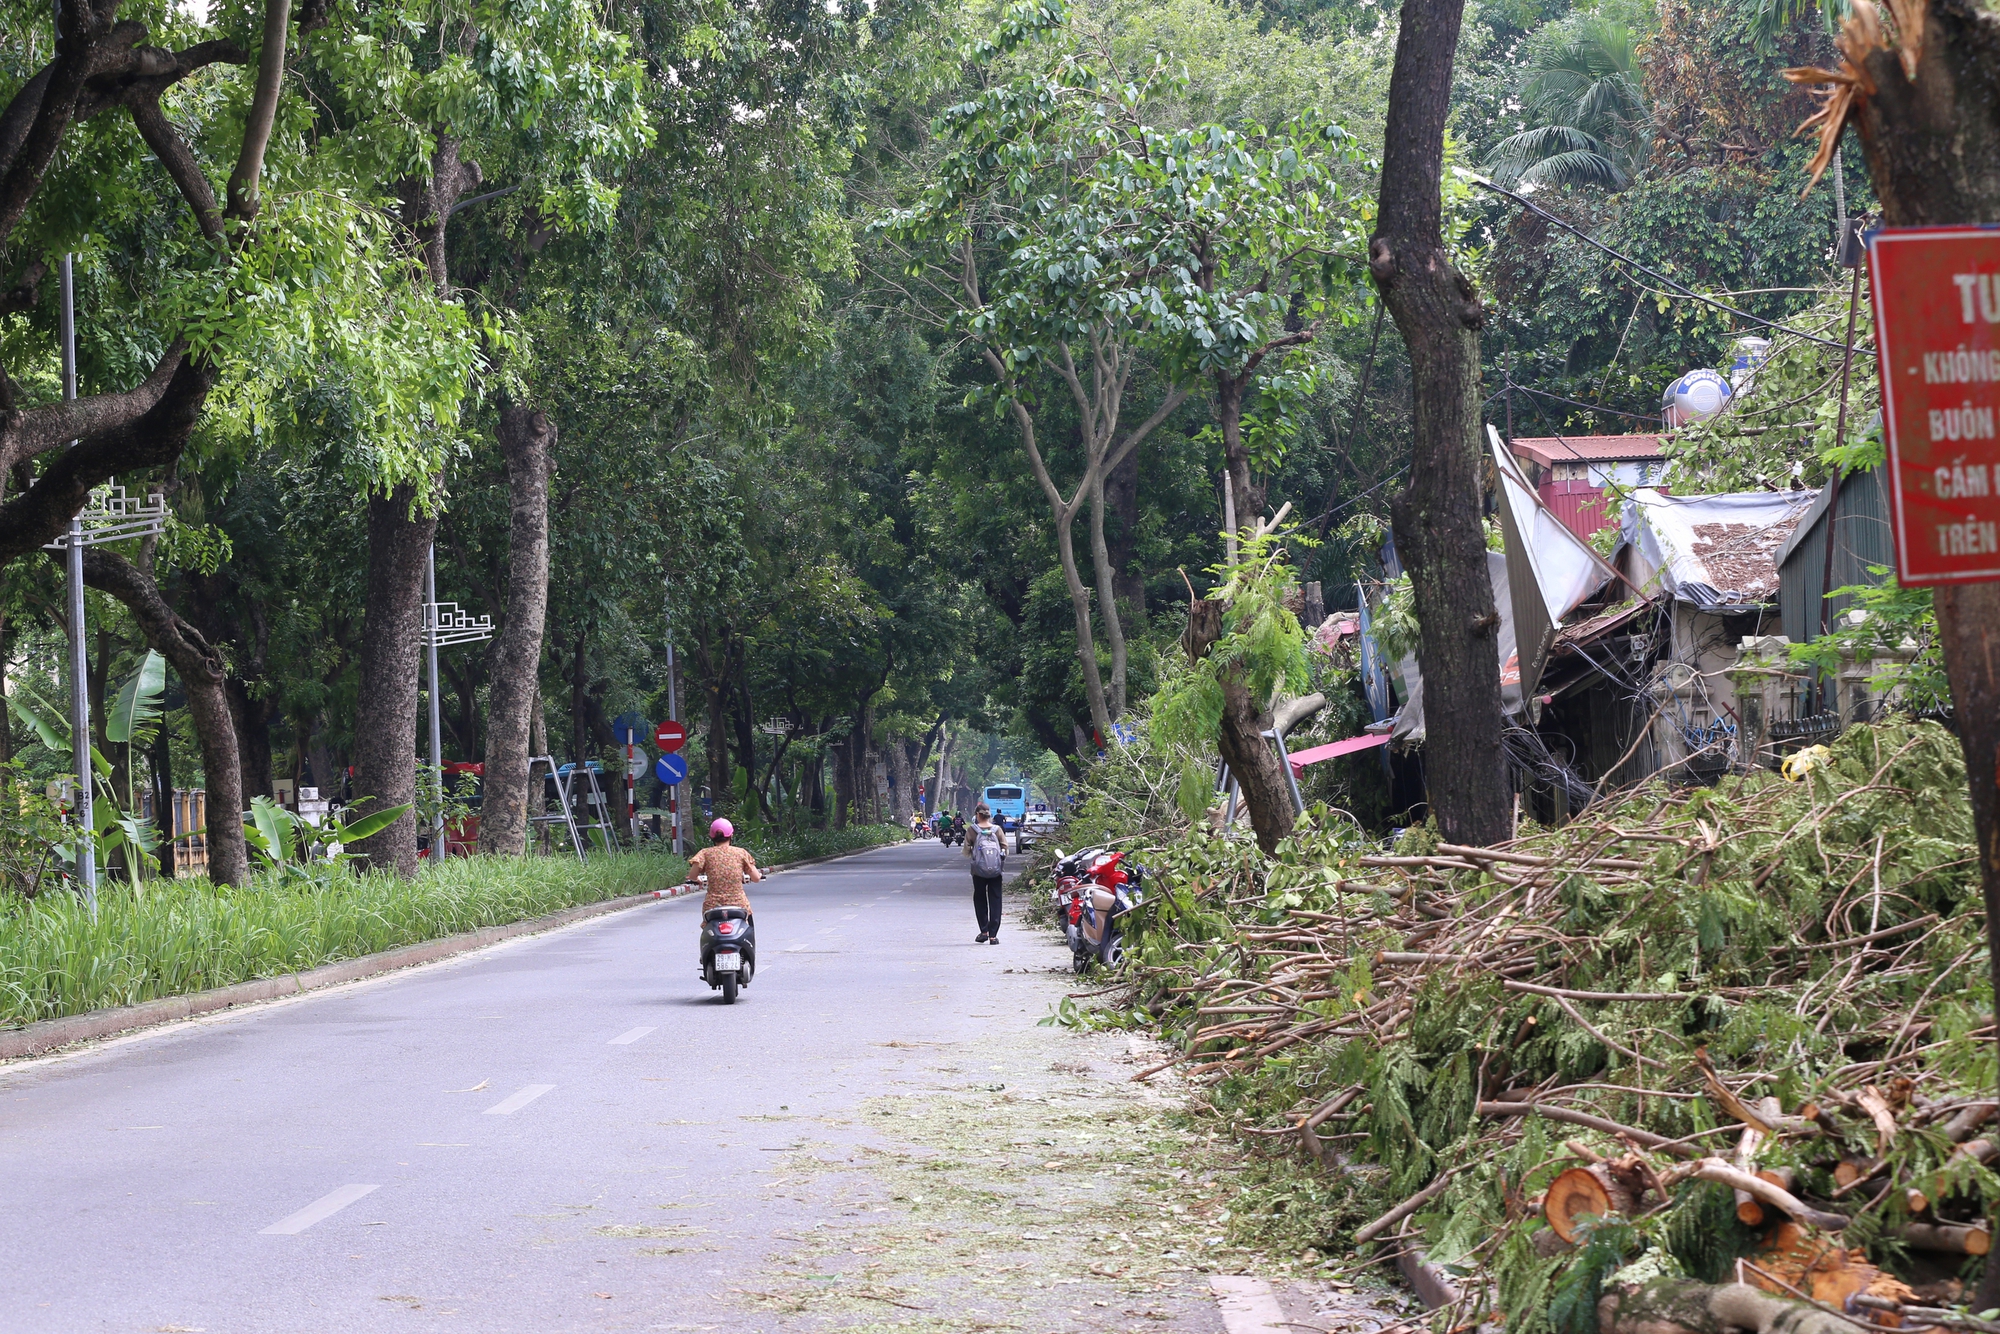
(509, 1106)
(628, 1037)
(850, 917)
(1247, 1305)
(326, 1206)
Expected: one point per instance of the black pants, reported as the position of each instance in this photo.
(986, 903)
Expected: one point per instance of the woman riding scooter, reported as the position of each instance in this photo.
(727, 867)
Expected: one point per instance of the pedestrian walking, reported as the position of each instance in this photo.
(988, 856)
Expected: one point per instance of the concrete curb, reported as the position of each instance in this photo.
(47, 1035)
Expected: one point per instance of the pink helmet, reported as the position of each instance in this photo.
(722, 829)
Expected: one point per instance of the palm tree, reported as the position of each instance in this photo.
(1592, 123)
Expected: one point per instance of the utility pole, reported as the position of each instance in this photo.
(79, 660)
(437, 733)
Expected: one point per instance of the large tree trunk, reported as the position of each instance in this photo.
(1240, 739)
(1121, 493)
(385, 733)
(1107, 597)
(715, 694)
(1933, 146)
(201, 669)
(1437, 519)
(527, 439)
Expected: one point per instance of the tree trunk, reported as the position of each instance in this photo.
(1437, 519)
(1086, 637)
(201, 669)
(1682, 1306)
(1121, 492)
(385, 733)
(1933, 147)
(746, 745)
(714, 689)
(1107, 597)
(1249, 492)
(527, 438)
(252, 718)
(1251, 760)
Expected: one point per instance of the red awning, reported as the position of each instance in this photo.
(1300, 759)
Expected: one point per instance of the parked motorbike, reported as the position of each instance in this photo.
(1094, 891)
(728, 950)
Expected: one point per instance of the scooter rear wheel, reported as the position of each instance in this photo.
(729, 988)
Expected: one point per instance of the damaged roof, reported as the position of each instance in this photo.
(1712, 551)
(1552, 449)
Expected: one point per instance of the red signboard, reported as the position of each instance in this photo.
(1936, 294)
(671, 736)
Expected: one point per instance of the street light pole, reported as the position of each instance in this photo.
(79, 661)
(437, 734)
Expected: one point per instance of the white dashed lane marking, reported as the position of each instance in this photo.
(326, 1206)
(628, 1037)
(509, 1106)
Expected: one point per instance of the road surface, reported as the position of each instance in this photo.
(571, 1132)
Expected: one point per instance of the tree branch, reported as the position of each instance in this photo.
(263, 111)
(150, 440)
(178, 159)
(31, 431)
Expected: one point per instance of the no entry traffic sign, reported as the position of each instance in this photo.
(672, 769)
(671, 736)
(1936, 295)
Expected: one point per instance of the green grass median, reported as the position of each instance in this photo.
(173, 937)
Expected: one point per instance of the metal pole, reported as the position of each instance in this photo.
(673, 716)
(437, 734)
(79, 660)
(1291, 778)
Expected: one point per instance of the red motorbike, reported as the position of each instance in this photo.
(1094, 891)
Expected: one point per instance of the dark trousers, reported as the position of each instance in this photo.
(986, 903)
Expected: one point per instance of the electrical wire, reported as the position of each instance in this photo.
(1655, 274)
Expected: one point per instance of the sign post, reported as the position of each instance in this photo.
(1936, 296)
(630, 729)
(673, 720)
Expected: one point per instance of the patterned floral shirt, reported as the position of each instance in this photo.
(727, 867)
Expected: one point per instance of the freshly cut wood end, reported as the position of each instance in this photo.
(1571, 1196)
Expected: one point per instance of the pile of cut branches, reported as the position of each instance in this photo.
(1718, 1036)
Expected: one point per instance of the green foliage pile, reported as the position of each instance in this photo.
(1747, 899)
(170, 938)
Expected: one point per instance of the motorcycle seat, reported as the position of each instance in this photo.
(726, 914)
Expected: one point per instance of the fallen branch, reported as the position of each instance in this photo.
(1369, 1231)
(1643, 1138)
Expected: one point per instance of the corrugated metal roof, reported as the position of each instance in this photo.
(1861, 539)
(1553, 449)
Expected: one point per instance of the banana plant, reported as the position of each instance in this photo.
(115, 826)
(136, 709)
(295, 848)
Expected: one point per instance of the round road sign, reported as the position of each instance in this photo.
(671, 769)
(671, 736)
(630, 729)
(636, 766)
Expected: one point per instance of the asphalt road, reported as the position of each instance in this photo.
(569, 1131)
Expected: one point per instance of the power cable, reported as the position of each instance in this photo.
(1655, 274)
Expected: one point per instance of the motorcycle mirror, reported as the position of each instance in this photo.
(1060, 854)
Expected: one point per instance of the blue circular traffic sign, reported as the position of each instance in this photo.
(672, 769)
(631, 729)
